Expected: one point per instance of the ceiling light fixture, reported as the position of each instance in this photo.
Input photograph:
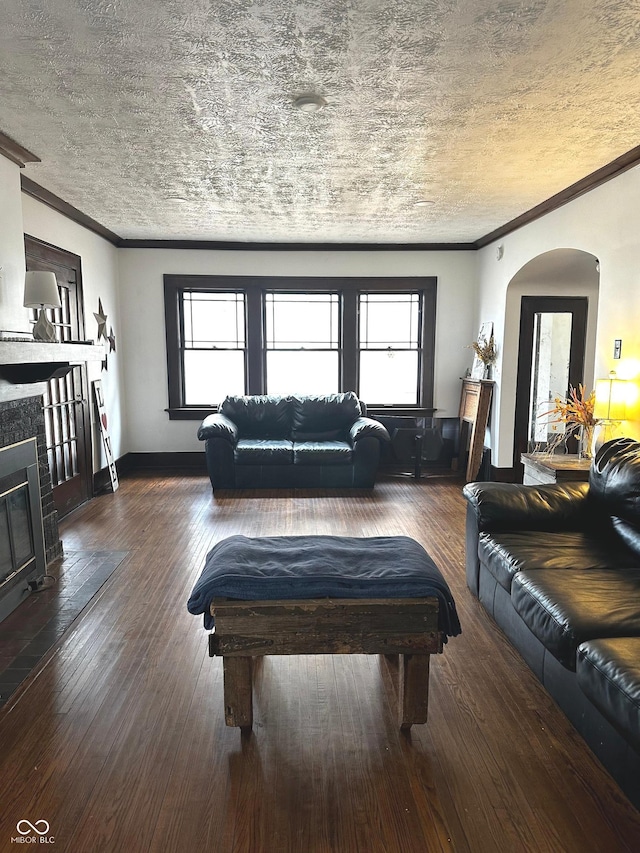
(425, 202)
(309, 103)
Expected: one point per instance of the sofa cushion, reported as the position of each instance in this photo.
(263, 451)
(608, 672)
(504, 554)
(614, 481)
(322, 453)
(566, 608)
(260, 416)
(320, 414)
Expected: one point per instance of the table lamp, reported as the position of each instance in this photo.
(41, 291)
(610, 407)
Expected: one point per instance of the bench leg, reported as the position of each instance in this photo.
(413, 690)
(238, 700)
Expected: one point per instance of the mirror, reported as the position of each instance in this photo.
(549, 378)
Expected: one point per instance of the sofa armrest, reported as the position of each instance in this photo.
(511, 506)
(363, 427)
(218, 426)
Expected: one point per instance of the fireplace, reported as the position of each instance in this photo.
(22, 550)
(21, 419)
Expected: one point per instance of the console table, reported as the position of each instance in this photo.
(544, 468)
(475, 403)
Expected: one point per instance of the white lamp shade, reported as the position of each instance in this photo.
(41, 288)
(611, 399)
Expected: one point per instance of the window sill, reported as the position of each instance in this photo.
(401, 411)
(190, 414)
(199, 414)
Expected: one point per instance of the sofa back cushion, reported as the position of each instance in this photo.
(614, 487)
(259, 416)
(324, 417)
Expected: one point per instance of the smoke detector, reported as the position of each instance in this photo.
(309, 103)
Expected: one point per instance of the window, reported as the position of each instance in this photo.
(268, 335)
(390, 345)
(213, 346)
(302, 343)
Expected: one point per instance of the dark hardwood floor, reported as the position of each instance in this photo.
(117, 739)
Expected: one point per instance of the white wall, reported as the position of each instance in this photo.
(142, 315)
(602, 222)
(13, 316)
(472, 288)
(99, 281)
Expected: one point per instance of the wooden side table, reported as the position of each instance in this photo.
(475, 403)
(543, 468)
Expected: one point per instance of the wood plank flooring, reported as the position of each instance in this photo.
(117, 739)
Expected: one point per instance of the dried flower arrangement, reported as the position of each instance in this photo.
(485, 350)
(576, 412)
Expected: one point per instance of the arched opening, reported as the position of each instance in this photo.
(554, 283)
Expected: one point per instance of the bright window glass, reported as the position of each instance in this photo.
(302, 343)
(389, 348)
(213, 351)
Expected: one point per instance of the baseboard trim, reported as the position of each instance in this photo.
(192, 462)
(503, 475)
(189, 462)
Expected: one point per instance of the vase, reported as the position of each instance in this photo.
(585, 442)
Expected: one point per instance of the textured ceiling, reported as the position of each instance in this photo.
(174, 119)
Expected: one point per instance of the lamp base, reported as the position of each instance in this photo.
(44, 329)
(605, 431)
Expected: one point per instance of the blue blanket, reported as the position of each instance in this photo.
(299, 567)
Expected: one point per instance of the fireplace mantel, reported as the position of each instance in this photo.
(26, 362)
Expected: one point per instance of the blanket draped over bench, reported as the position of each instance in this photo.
(302, 567)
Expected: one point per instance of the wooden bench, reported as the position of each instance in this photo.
(405, 629)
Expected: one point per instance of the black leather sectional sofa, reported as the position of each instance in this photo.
(558, 568)
(283, 442)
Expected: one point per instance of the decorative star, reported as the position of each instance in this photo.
(101, 319)
(112, 340)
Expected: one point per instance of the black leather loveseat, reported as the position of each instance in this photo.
(558, 568)
(275, 442)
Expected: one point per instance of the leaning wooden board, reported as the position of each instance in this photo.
(407, 627)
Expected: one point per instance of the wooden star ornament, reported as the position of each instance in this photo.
(101, 319)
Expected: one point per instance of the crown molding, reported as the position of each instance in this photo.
(34, 190)
(13, 151)
(294, 247)
(606, 173)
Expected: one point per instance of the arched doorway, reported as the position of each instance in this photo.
(552, 296)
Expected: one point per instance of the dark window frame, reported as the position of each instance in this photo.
(254, 288)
